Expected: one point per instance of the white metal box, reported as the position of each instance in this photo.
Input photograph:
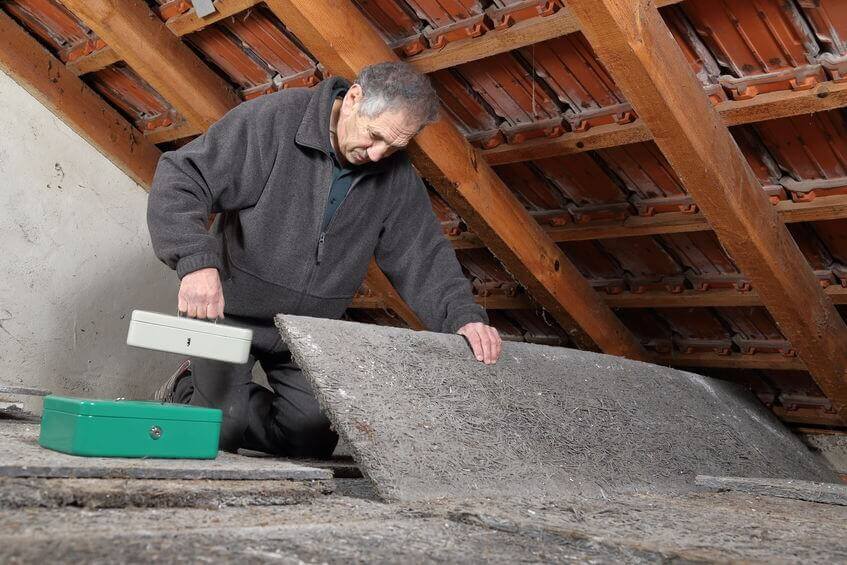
(196, 338)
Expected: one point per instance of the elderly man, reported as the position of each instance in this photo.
(309, 184)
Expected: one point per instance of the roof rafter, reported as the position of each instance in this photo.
(71, 100)
(631, 39)
(769, 106)
(133, 31)
(714, 298)
(519, 35)
(820, 209)
(340, 37)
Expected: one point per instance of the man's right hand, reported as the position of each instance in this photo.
(201, 295)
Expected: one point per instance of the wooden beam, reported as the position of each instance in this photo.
(344, 42)
(92, 62)
(173, 132)
(715, 298)
(820, 209)
(189, 22)
(391, 300)
(519, 35)
(63, 93)
(140, 38)
(769, 106)
(772, 361)
(636, 47)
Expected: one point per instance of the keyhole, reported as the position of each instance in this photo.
(188, 342)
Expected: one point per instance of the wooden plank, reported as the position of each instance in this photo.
(377, 281)
(715, 298)
(92, 62)
(189, 22)
(519, 35)
(822, 208)
(63, 93)
(773, 105)
(598, 137)
(770, 361)
(343, 40)
(826, 493)
(171, 133)
(140, 38)
(495, 302)
(633, 42)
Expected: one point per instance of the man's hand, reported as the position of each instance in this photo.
(485, 341)
(201, 295)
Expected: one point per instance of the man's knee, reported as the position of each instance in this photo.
(310, 434)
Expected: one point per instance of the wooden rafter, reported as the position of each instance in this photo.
(714, 298)
(179, 130)
(820, 209)
(160, 58)
(770, 361)
(189, 22)
(63, 93)
(770, 106)
(340, 37)
(140, 38)
(93, 62)
(494, 42)
(389, 298)
(633, 42)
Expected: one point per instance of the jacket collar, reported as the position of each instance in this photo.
(314, 127)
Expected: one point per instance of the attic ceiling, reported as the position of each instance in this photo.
(524, 86)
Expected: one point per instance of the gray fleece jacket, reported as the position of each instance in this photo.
(265, 167)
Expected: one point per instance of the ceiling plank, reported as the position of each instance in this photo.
(344, 42)
(94, 61)
(190, 22)
(390, 299)
(173, 132)
(140, 38)
(521, 34)
(65, 95)
(772, 361)
(822, 208)
(713, 298)
(770, 106)
(636, 47)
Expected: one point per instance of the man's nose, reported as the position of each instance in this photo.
(376, 152)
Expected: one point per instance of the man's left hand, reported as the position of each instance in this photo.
(485, 341)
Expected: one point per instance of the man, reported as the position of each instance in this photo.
(309, 184)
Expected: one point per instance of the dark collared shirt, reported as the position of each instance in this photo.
(342, 177)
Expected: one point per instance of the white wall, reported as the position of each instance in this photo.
(75, 260)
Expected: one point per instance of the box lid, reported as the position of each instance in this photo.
(131, 409)
(192, 324)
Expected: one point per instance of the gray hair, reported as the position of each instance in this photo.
(397, 86)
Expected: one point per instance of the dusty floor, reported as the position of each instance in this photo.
(298, 523)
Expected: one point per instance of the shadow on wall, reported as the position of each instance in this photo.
(76, 340)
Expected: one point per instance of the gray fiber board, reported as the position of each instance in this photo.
(424, 419)
(21, 456)
(827, 493)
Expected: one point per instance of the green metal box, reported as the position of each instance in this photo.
(129, 428)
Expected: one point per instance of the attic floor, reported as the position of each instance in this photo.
(350, 525)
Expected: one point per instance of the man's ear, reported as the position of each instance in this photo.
(353, 98)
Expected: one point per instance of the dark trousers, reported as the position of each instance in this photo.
(285, 420)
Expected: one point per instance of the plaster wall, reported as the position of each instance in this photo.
(75, 260)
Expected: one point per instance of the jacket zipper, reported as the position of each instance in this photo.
(319, 251)
(322, 237)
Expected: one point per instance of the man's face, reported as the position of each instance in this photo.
(364, 140)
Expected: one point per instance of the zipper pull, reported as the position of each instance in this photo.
(321, 247)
